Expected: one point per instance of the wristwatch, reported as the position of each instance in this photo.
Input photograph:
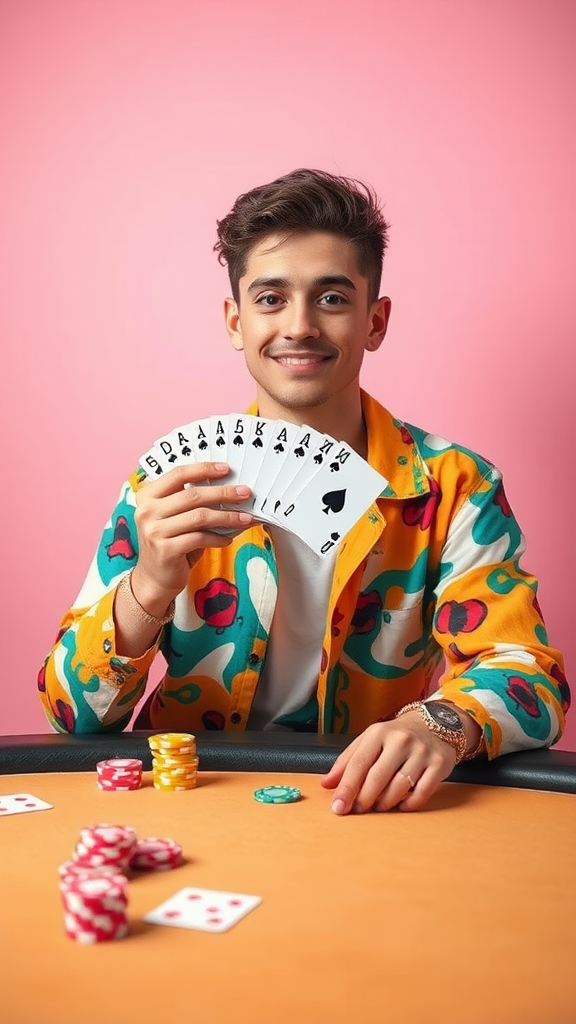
(443, 720)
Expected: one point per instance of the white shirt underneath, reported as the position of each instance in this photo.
(290, 673)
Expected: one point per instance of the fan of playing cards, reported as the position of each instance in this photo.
(301, 480)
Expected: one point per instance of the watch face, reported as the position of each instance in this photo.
(444, 715)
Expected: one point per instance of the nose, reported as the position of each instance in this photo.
(299, 324)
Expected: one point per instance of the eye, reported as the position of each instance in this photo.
(268, 300)
(333, 299)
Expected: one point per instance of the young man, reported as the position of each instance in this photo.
(347, 643)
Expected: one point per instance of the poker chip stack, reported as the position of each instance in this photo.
(106, 846)
(94, 884)
(174, 761)
(95, 906)
(120, 774)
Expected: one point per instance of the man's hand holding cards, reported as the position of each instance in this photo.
(300, 479)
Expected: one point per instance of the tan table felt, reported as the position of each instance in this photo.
(463, 912)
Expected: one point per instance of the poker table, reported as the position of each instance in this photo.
(462, 912)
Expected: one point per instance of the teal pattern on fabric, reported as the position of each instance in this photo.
(86, 719)
(185, 650)
(516, 690)
(357, 646)
(493, 524)
(118, 549)
(337, 681)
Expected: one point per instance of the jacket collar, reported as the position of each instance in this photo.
(392, 451)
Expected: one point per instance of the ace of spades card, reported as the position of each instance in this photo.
(332, 500)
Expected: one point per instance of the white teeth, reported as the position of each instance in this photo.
(290, 361)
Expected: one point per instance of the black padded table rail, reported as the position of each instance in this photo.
(553, 770)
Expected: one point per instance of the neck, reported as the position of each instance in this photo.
(341, 417)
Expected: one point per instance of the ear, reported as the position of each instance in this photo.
(233, 326)
(378, 323)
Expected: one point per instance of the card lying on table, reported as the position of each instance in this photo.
(206, 910)
(301, 480)
(21, 803)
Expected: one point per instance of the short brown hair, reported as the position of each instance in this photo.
(303, 201)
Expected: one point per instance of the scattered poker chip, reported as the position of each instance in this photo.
(154, 854)
(277, 795)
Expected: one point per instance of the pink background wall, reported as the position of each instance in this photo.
(128, 126)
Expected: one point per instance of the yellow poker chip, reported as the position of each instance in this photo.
(182, 741)
(175, 788)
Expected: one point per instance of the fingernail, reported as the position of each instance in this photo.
(221, 467)
(242, 491)
(338, 806)
(244, 517)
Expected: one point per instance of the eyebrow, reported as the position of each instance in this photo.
(326, 281)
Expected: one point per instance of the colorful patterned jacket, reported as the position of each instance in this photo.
(429, 574)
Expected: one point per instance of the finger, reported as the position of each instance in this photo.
(426, 786)
(194, 472)
(401, 784)
(356, 771)
(186, 500)
(333, 776)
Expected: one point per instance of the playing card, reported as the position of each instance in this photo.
(218, 438)
(256, 445)
(180, 440)
(333, 500)
(238, 433)
(200, 437)
(156, 460)
(310, 449)
(21, 803)
(207, 910)
(280, 441)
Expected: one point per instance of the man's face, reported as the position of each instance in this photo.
(304, 321)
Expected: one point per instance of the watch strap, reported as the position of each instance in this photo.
(455, 737)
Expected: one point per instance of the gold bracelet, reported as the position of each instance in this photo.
(479, 749)
(125, 587)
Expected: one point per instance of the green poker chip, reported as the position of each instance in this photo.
(277, 795)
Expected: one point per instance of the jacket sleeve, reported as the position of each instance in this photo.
(84, 685)
(499, 665)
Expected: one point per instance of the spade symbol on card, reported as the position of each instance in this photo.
(238, 440)
(334, 501)
(220, 441)
(257, 442)
(334, 467)
(318, 459)
(278, 448)
(186, 451)
(203, 446)
(299, 452)
(172, 458)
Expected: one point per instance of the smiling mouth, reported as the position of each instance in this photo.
(311, 360)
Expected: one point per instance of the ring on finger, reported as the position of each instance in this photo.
(405, 775)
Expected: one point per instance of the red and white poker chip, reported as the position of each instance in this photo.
(95, 908)
(155, 854)
(119, 773)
